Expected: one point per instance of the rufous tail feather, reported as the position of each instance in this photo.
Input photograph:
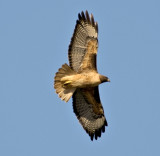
(64, 93)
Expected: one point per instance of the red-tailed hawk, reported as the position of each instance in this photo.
(80, 79)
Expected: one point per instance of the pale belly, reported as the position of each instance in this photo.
(82, 80)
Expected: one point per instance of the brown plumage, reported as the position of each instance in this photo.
(80, 79)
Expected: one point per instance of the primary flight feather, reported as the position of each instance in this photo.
(80, 79)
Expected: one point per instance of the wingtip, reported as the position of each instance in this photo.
(89, 18)
(79, 16)
(83, 15)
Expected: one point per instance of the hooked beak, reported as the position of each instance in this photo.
(108, 80)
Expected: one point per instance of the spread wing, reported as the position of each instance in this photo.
(89, 111)
(84, 43)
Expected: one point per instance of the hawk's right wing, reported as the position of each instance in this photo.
(89, 111)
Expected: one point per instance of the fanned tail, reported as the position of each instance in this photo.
(64, 93)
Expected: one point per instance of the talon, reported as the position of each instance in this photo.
(67, 83)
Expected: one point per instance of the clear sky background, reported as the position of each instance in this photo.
(34, 39)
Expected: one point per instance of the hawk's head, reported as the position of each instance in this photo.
(104, 78)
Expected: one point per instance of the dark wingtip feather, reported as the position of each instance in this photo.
(83, 16)
(91, 136)
(96, 26)
(88, 18)
(106, 123)
(92, 20)
(79, 16)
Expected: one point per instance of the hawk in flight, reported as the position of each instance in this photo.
(80, 79)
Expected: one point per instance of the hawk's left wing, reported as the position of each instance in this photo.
(89, 111)
(84, 43)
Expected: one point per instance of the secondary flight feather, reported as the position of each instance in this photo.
(80, 79)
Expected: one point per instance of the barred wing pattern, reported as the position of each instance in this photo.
(89, 111)
(86, 30)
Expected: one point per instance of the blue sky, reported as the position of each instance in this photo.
(34, 39)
